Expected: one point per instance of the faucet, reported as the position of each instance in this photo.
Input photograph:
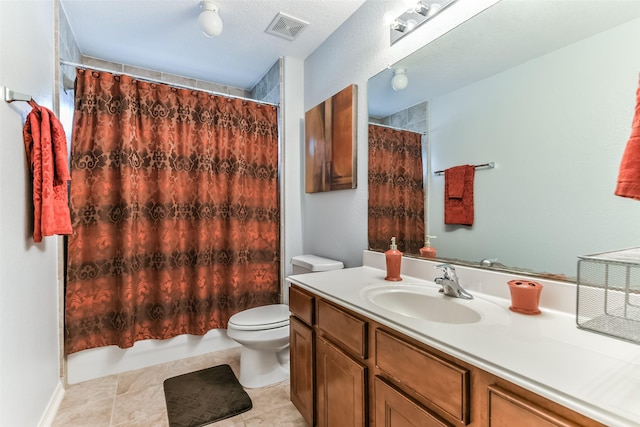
(450, 283)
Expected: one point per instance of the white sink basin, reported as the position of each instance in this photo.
(425, 303)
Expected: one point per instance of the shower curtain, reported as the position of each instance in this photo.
(174, 204)
(396, 190)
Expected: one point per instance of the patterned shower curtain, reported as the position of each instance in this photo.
(396, 190)
(174, 203)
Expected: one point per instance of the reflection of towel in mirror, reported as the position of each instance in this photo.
(629, 174)
(458, 195)
(46, 146)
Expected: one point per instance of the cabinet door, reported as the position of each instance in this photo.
(394, 409)
(341, 387)
(301, 367)
(507, 410)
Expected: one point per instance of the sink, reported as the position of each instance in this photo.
(423, 302)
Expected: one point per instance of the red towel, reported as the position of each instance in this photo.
(458, 195)
(629, 174)
(46, 146)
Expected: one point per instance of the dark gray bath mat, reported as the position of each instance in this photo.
(205, 396)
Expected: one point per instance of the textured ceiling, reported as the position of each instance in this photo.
(164, 35)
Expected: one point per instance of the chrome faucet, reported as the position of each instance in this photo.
(450, 283)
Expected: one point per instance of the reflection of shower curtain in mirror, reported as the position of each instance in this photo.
(175, 211)
(396, 192)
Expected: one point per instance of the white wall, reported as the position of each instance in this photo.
(556, 128)
(292, 155)
(335, 223)
(29, 361)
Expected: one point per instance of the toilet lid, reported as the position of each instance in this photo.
(260, 318)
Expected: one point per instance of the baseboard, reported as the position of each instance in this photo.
(52, 408)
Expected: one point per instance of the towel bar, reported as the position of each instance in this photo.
(489, 165)
(10, 95)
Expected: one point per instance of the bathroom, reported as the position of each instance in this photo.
(29, 278)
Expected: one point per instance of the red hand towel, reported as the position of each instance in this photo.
(46, 146)
(629, 174)
(458, 205)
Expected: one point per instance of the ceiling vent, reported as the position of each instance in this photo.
(286, 26)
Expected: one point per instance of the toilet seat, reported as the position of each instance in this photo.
(261, 318)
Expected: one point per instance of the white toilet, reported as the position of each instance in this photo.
(263, 332)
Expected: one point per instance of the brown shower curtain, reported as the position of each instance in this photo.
(396, 193)
(174, 203)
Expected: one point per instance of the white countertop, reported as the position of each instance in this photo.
(593, 374)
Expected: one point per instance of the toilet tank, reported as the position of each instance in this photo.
(311, 264)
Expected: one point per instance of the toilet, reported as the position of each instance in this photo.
(263, 332)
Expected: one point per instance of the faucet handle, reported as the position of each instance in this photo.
(448, 270)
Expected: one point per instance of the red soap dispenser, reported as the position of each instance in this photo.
(427, 251)
(394, 259)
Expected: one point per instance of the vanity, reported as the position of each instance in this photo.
(364, 353)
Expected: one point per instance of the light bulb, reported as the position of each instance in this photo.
(399, 81)
(209, 19)
(399, 25)
(421, 9)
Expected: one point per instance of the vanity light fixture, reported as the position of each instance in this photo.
(416, 15)
(399, 81)
(209, 19)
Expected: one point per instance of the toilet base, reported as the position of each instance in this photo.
(259, 368)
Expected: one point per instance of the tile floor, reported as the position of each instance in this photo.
(136, 398)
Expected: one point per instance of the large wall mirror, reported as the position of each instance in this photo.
(546, 91)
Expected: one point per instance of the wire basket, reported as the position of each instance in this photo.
(609, 293)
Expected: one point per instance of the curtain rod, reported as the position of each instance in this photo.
(152, 80)
(489, 165)
(395, 128)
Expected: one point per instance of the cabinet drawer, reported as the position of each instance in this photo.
(439, 382)
(507, 409)
(301, 304)
(346, 329)
(394, 409)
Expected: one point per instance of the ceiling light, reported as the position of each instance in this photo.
(399, 81)
(209, 19)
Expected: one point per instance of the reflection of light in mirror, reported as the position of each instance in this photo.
(435, 8)
(388, 18)
(399, 81)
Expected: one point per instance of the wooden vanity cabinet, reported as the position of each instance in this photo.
(340, 387)
(393, 408)
(507, 409)
(441, 384)
(302, 352)
(327, 349)
(348, 370)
